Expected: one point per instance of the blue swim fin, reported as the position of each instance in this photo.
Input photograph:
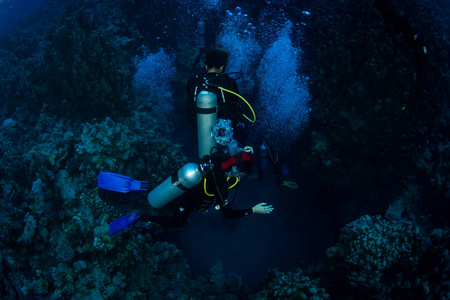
(120, 183)
(122, 223)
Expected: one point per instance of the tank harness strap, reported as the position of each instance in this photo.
(235, 159)
(223, 96)
(207, 111)
(195, 93)
(176, 182)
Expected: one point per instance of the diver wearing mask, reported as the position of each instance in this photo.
(225, 173)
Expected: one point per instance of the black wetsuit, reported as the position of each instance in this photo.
(229, 105)
(267, 156)
(418, 45)
(176, 213)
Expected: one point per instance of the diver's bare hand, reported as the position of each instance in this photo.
(262, 208)
(249, 149)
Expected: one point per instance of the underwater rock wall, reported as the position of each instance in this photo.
(378, 116)
(74, 69)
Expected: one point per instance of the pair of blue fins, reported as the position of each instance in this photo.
(122, 184)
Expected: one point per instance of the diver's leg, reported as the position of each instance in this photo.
(278, 171)
(177, 220)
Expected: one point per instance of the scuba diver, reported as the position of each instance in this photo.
(214, 95)
(418, 45)
(264, 156)
(214, 79)
(194, 187)
(267, 154)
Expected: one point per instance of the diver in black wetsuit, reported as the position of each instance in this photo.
(213, 189)
(411, 35)
(215, 63)
(265, 156)
(417, 43)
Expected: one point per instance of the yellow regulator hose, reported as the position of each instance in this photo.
(243, 99)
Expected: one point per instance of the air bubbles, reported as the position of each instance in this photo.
(283, 93)
(238, 36)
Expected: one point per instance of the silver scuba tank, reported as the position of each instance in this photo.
(263, 155)
(184, 179)
(206, 119)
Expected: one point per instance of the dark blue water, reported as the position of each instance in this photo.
(12, 11)
(295, 235)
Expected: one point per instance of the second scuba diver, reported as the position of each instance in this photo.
(215, 63)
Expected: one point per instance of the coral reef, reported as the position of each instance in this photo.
(291, 285)
(382, 258)
(55, 218)
(368, 247)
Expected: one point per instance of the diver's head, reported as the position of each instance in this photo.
(216, 60)
(243, 161)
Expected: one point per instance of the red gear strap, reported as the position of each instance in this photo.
(243, 156)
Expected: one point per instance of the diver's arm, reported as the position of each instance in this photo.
(234, 214)
(261, 208)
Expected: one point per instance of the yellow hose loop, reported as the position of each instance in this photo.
(204, 187)
(230, 187)
(243, 99)
(271, 158)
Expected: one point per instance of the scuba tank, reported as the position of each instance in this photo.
(206, 118)
(191, 175)
(263, 154)
(185, 178)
